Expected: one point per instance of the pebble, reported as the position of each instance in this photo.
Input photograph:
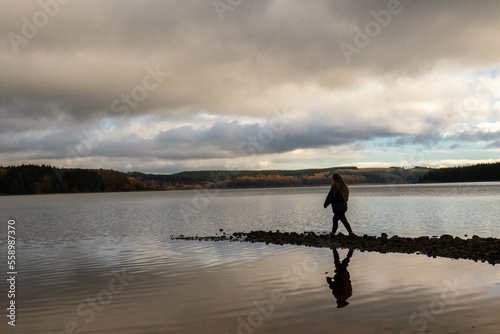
(477, 248)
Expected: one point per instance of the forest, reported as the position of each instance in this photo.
(46, 179)
(32, 179)
(474, 173)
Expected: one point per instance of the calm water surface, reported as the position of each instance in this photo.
(104, 263)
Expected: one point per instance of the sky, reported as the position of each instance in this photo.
(168, 86)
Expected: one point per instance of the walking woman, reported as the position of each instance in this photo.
(337, 197)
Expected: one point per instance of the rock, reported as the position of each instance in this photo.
(483, 249)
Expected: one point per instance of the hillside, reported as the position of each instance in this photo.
(31, 179)
(280, 178)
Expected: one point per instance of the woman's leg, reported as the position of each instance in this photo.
(344, 221)
(335, 223)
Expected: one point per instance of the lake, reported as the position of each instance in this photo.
(105, 263)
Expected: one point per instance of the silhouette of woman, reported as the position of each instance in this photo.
(337, 197)
(341, 284)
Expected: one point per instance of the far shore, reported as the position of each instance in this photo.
(241, 188)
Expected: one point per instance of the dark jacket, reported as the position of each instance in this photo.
(339, 204)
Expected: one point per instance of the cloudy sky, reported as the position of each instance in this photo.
(166, 86)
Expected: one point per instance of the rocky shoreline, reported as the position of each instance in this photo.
(476, 248)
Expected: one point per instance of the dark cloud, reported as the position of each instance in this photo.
(91, 52)
(495, 144)
(477, 134)
(231, 140)
(221, 140)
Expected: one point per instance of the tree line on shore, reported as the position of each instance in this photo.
(32, 179)
(46, 179)
(475, 173)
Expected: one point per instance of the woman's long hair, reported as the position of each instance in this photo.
(341, 186)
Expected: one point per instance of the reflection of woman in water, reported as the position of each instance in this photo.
(337, 197)
(341, 282)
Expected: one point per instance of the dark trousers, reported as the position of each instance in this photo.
(340, 216)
